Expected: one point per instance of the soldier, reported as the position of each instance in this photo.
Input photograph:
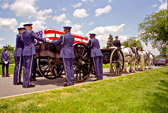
(18, 57)
(28, 54)
(67, 53)
(5, 57)
(97, 56)
(135, 45)
(116, 42)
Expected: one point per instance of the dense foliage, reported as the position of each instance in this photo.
(110, 41)
(154, 28)
(130, 42)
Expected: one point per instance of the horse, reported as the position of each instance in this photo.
(130, 54)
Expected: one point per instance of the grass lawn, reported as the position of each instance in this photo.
(145, 92)
(11, 69)
(106, 65)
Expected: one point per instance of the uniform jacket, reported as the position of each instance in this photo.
(19, 46)
(29, 44)
(117, 43)
(95, 47)
(5, 56)
(66, 41)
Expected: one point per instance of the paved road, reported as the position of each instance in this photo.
(7, 88)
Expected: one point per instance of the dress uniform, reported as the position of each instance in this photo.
(18, 58)
(5, 57)
(97, 56)
(117, 43)
(28, 54)
(67, 53)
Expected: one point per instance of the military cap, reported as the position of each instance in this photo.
(21, 28)
(28, 24)
(67, 27)
(92, 34)
(4, 47)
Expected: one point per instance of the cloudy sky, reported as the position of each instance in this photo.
(104, 17)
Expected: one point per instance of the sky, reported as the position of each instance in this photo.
(103, 17)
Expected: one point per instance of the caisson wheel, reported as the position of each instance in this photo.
(82, 62)
(116, 62)
(48, 68)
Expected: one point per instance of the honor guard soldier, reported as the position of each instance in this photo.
(67, 53)
(5, 57)
(18, 57)
(28, 54)
(97, 56)
(116, 42)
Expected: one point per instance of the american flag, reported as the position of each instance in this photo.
(53, 34)
(40, 33)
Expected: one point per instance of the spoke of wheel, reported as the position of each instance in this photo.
(43, 65)
(46, 69)
(55, 71)
(85, 55)
(85, 70)
(82, 53)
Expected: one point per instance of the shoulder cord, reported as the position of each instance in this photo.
(62, 40)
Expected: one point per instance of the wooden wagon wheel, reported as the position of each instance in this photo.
(116, 62)
(82, 62)
(48, 69)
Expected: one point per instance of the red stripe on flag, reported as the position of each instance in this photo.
(49, 31)
(80, 37)
(59, 32)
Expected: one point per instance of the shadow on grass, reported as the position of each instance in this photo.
(159, 100)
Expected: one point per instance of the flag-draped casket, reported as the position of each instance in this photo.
(48, 49)
(53, 34)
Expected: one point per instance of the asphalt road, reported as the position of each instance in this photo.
(7, 89)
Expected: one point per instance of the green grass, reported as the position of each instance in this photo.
(145, 92)
(105, 65)
(11, 69)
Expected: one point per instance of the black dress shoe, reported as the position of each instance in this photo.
(19, 83)
(29, 86)
(33, 79)
(66, 85)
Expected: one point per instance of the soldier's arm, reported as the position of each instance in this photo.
(2, 57)
(89, 43)
(119, 43)
(8, 57)
(59, 41)
(37, 37)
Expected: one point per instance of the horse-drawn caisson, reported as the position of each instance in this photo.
(50, 65)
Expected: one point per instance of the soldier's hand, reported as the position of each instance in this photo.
(48, 40)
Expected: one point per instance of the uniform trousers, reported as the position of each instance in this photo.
(18, 69)
(3, 68)
(69, 70)
(98, 65)
(27, 69)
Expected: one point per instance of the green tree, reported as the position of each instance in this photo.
(130, 42)
(154, 28)
(110, 41)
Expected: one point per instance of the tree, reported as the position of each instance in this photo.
(110, 41)
(154, 28)
(130, 42)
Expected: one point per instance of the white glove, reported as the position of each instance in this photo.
(48, 40)
(40, 42)
(5, 62)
